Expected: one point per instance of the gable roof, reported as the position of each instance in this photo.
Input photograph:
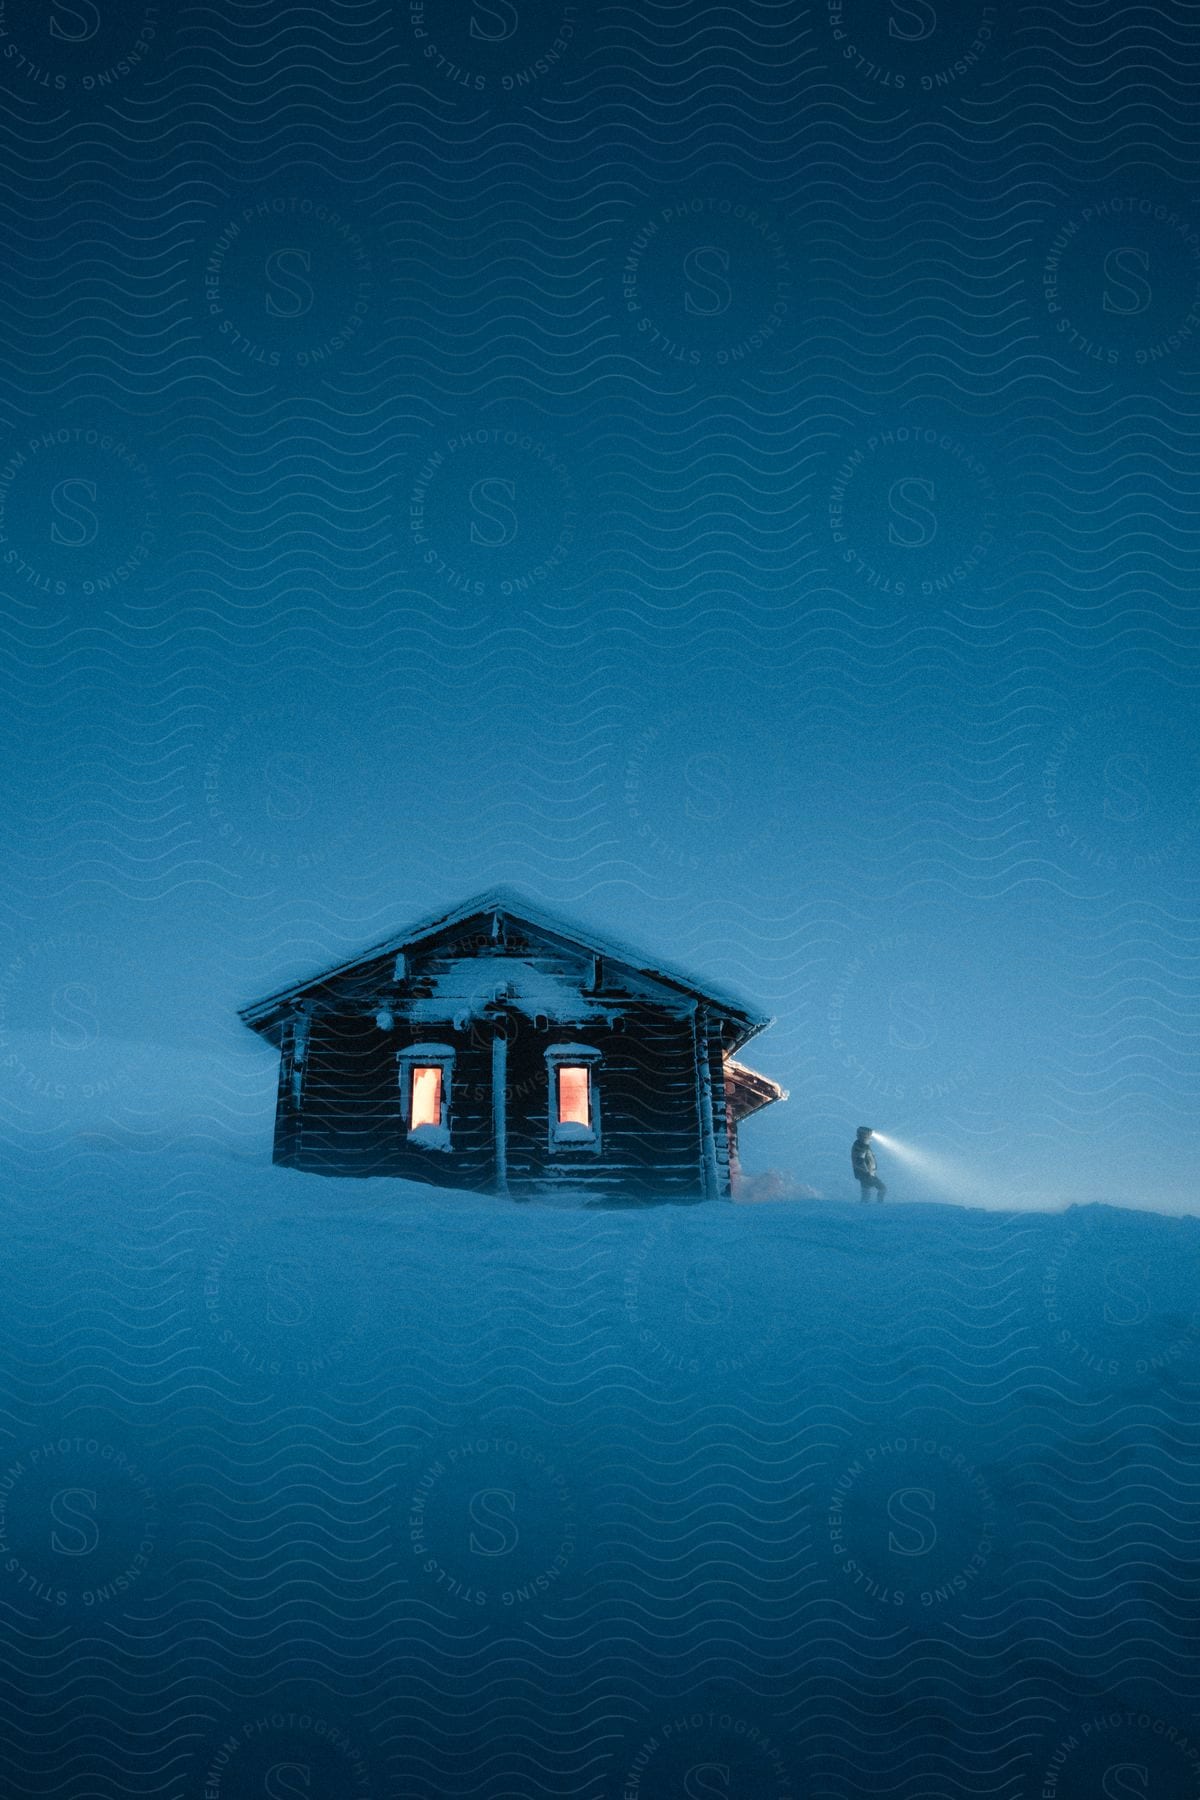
(261, 1014)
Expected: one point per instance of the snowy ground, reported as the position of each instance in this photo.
(339, 1488)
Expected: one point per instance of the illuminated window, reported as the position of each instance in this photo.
(426, 1101)
(574, 1094)
(574, 1100)
(426, 1071)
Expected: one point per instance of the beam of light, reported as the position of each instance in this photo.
(935, 1177)
(937, 1174)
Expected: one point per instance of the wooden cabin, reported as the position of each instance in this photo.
(500, 1048)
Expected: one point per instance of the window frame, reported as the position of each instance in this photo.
(568, 1135)
(426, 1056)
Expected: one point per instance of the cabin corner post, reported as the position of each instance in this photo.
(710, 1180)
(735, 1160)
(289, 1106)
(500, 1105)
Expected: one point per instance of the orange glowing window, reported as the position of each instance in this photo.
(574, 1099)
(426, 1106)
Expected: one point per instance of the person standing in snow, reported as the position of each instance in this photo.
(862, 1161)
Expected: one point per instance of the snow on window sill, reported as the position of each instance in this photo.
(571, 1131)
(430, 1137)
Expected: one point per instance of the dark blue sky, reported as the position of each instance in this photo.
(729, 471)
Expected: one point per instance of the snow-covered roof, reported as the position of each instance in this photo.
(747, 1090)
(513, 905)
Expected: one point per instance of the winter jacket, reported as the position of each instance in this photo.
(862, 1159)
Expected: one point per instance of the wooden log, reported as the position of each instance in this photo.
(500, 1105)
(710, 1181)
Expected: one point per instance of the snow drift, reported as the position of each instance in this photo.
(312, 1487)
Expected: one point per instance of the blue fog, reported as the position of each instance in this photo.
(730, 474)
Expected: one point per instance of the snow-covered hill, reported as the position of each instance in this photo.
(333, 1488)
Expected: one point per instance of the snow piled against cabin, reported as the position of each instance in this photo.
(466, 990)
